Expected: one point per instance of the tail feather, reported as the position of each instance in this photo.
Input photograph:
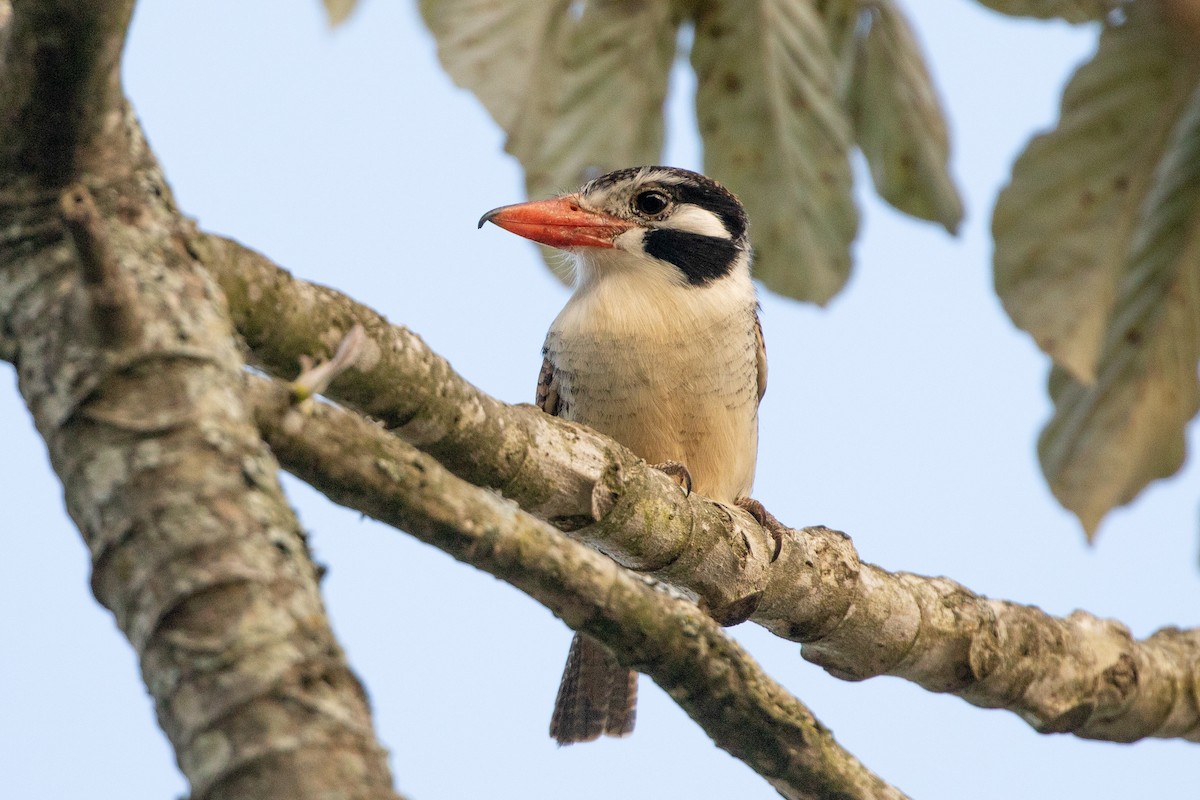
(596, 696)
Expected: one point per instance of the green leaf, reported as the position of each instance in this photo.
(1070, 10)
(1109, 439)
(603, 107)
(899, 122)
(774, 131)
(496, 48)
(578, 94)
(842, 23)
(1063, 225)
(336, 11)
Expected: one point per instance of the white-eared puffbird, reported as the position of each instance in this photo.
(659, 347)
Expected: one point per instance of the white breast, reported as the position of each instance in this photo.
(668, 370)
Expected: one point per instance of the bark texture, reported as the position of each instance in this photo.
(127, 360)
(656, 631)
(1076, 674)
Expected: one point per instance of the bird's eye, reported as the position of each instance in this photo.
(650, 202)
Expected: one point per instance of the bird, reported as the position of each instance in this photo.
(660, 347)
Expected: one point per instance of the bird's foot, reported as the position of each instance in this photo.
(766, 519)
(677, 472)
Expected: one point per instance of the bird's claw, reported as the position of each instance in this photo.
(677, 472)
(766, 519)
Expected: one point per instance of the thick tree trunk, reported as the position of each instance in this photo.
(128, 363)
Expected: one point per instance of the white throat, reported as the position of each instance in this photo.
(667, 368)
(621, 291)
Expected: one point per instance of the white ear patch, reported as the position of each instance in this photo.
(694, 219)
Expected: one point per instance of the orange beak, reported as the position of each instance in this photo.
(560, 222)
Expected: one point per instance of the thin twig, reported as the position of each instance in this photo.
(112, 300)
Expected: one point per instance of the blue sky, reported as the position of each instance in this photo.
(905, 414)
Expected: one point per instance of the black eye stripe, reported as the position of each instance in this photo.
(700, 258)
(683, 186)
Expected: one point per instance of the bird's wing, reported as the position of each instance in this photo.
(547, 389)
(762, 358)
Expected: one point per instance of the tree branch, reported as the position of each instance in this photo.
(556, 470)
(193, 547)
(1077, 674)
(110, 293)
(358, 464)
(60, 87)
